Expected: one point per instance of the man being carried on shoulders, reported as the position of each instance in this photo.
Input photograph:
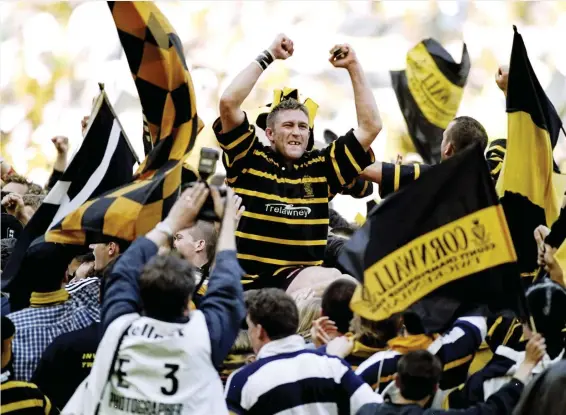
(282, 235)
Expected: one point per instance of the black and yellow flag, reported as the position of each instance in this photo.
(425, 239)
(167, 96)
(429, 92)
(529, 185)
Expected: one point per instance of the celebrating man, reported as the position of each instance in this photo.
(285, 188)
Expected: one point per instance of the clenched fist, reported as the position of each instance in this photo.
(281, 47)
(342, 56)
(61, 144)
(14, 204)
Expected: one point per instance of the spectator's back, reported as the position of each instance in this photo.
(176, 367)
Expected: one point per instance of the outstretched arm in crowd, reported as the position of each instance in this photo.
(369, 120)
(223, 304)
(231, 115)
(121, 294)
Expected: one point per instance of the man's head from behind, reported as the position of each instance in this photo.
(288, 129)
(166, 286)
(461, 133)
(418, 374)
(272, 315)
(198, 243)
(336, 303)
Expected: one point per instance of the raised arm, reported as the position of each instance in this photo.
(369, 120)
(231, 115)
(122, 287)
(223, 304)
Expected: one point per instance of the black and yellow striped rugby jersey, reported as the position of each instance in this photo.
(395, 176)
(24, 398)
(285, 223)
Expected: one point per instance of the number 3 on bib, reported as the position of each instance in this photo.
(174, 381)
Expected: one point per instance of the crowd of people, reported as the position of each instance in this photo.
(250, 313)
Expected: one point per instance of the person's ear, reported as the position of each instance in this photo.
(112, 249)
(200, 245)
(449, 150)
(269, 134)
(262, 333)
(397, 381)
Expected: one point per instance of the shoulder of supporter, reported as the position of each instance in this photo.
(375, 360)
(471, 329)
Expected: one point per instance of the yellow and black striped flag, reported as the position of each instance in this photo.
(529, 185)
(444, 235)
(429, 93)
(167, 96)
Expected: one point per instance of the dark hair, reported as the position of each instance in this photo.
(166, 286)
(466, 131)
(287, 104)
(275, 311)
(547, 305)
(336, 303)
(545, 394)
(418, 373)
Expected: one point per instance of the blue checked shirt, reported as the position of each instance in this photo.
(37, 327)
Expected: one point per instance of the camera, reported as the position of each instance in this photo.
(206, 167)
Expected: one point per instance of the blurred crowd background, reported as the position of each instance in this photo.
(54, 54)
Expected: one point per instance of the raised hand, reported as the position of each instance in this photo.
(323, 331)
(343, 56)
(340, 346)
(282, 47)
(184, 212)
(535, 350)
(14, 204)
(502, 78)
(61, 144)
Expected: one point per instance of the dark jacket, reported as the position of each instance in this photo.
(66, 363)
(500, 403)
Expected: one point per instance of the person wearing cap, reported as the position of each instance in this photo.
(19, 397)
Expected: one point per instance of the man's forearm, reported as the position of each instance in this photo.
(230, 113)
(372, 172)
(60, 162)
(369, 120)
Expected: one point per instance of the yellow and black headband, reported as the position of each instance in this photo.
(280, 95)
